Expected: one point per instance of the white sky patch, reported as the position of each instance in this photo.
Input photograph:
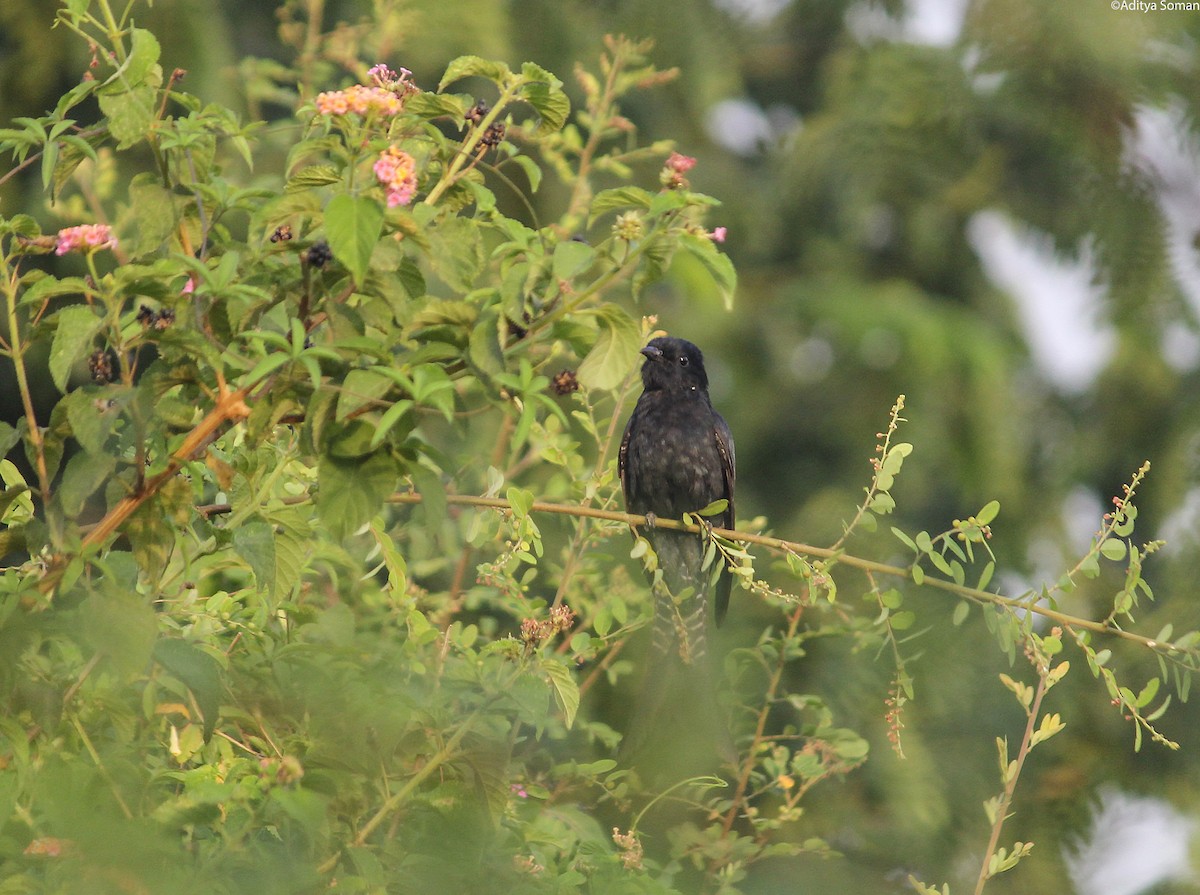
(754, 12)
(1082, 515)
(1058, 301)
(1135, 843)
(739, 125)
(934, 23)
(1181, 529)
(1163, 146)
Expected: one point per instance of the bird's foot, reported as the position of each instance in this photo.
(651, 520)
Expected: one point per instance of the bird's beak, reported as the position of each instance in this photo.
(652, 352)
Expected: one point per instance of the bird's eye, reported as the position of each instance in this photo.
(683, 361)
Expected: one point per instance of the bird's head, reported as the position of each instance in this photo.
(673, 365)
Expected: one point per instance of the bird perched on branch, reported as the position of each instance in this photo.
(677, 457)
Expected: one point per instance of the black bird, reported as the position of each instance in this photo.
(677, 457)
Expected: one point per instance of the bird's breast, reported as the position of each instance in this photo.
(673, 459)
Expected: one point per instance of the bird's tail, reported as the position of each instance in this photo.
(677, 728)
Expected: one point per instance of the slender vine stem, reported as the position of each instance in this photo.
(1012, 775)
(782, 545)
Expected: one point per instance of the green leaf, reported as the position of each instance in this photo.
(882, 503)
(989, 512)
(254, 541)
(484, 350)
(566, 691)
(350, 492)
(718, 265)
(961, 611)
(985, 577)
(121, 624)
(436, 105)
(714, 508)
(619, 198)
(455, 252)
(77, 326)
(293, 547)
(1114, 549)
(156, 215)
(313, 176)
(388, 422)
(353, 225)
(199, 671)
(360, 388)
(1148, 692)
(902, 621)
(544, 92)
(474, 66)
(615, 351)
(143, 56)
(905, 539)
(84, 474)
(572, 258)
(433, 493)
(531, 168)
(131, 114)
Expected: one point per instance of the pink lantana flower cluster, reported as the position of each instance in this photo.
(676, 166)
(397, 171)
(385, 77)
(385, 95)
(86, 237)
(360, 100)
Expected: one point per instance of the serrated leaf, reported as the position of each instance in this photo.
(548, 99)
(484, 350)
(456, 253)
(130, 114)
(353, 225)
(156, 215)
(619, 198)
(572, 258)
(360, 388)
(436, 105)
(717, 263)
(566, 691)
(144, 51)
(474, 66)
(350, 492)
(77, 326)
(313, 176)
(615, 351)
(254, 541)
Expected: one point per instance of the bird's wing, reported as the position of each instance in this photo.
(729, 473)
(623, 460)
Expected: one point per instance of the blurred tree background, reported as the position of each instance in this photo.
(990, 206)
